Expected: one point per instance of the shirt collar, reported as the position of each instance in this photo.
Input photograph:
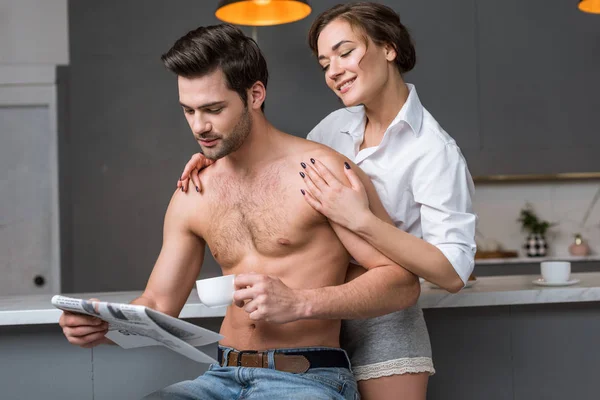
(411, 113)
(355, 125)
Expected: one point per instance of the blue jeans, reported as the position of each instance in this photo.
(237, 383)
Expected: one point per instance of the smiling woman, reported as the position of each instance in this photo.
(418, 171)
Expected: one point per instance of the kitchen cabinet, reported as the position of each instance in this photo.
(539, 84)
(515, 83)
(28, 205)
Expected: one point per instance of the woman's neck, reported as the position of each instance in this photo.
(385, 107)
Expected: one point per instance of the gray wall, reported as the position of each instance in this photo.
(124, 141)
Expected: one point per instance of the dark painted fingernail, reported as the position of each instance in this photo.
(346, 165)
(303, 165)
(197, 190)
(182, 188)
(302, 190)
(312, 160)
(302, 174)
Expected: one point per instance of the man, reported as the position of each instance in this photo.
(290, 261)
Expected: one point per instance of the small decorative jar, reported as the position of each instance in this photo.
(536, 245)
(579, 247)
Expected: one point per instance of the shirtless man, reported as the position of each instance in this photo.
(290, 261)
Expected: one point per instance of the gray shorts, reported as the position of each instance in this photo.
(394, 344)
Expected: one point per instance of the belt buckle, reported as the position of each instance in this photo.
(239, 360)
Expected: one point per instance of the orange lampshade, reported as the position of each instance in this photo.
(590, 6)
(262, 12)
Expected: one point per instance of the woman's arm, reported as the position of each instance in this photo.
(385, 287)
(415, 254)
(445, 256)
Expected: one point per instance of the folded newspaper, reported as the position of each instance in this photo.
(132, 326)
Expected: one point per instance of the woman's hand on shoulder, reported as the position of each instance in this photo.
(197, 163)
(341, 202)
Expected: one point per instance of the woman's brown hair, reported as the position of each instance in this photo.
(380, 23)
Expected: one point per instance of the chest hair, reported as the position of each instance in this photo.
(250, 214)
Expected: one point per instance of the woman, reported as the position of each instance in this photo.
(420, 176)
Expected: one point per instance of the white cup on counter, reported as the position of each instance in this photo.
(216, 292)
(556, 271)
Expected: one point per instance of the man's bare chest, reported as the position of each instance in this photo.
(264, 214)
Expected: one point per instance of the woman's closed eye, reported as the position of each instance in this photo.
(343, 55)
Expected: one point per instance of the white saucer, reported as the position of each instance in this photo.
(542, 282)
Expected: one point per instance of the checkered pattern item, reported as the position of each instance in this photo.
(536, 245)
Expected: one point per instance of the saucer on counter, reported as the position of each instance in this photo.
(542, 282)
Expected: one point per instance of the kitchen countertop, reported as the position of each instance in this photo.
(487, 291)
(535, 260)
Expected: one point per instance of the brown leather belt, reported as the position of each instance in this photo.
(294, 362)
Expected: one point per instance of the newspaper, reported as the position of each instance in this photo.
(131, 326)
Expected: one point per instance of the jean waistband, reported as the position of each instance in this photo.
(293, 360)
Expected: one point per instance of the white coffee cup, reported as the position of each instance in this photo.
(216, 292)
(556, 271)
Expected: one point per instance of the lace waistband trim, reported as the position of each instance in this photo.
(399, 366)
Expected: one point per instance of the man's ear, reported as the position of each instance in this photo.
(257, 95)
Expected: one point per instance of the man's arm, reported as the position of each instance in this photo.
(169, 285)
(179, 261)
(384, 288)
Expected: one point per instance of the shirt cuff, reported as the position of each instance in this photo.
(462, 260)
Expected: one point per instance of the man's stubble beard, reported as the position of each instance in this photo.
(234, 140)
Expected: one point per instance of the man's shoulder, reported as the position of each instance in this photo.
(329, 155)
(189, 206)
(331, 159)
(182, 203)
(316, 149)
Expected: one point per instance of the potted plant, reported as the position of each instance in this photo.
(536, 244)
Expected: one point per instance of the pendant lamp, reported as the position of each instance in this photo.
(590, 6)
(262, 12)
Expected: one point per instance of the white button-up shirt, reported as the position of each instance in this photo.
(419, 173)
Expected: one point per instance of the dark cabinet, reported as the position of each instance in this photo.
(539, 88)
(516, 83)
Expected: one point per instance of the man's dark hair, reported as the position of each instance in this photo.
(378, 22)
(225, 47)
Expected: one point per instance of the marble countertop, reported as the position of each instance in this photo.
(536, 260)
(487, 291)
(513, 290)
